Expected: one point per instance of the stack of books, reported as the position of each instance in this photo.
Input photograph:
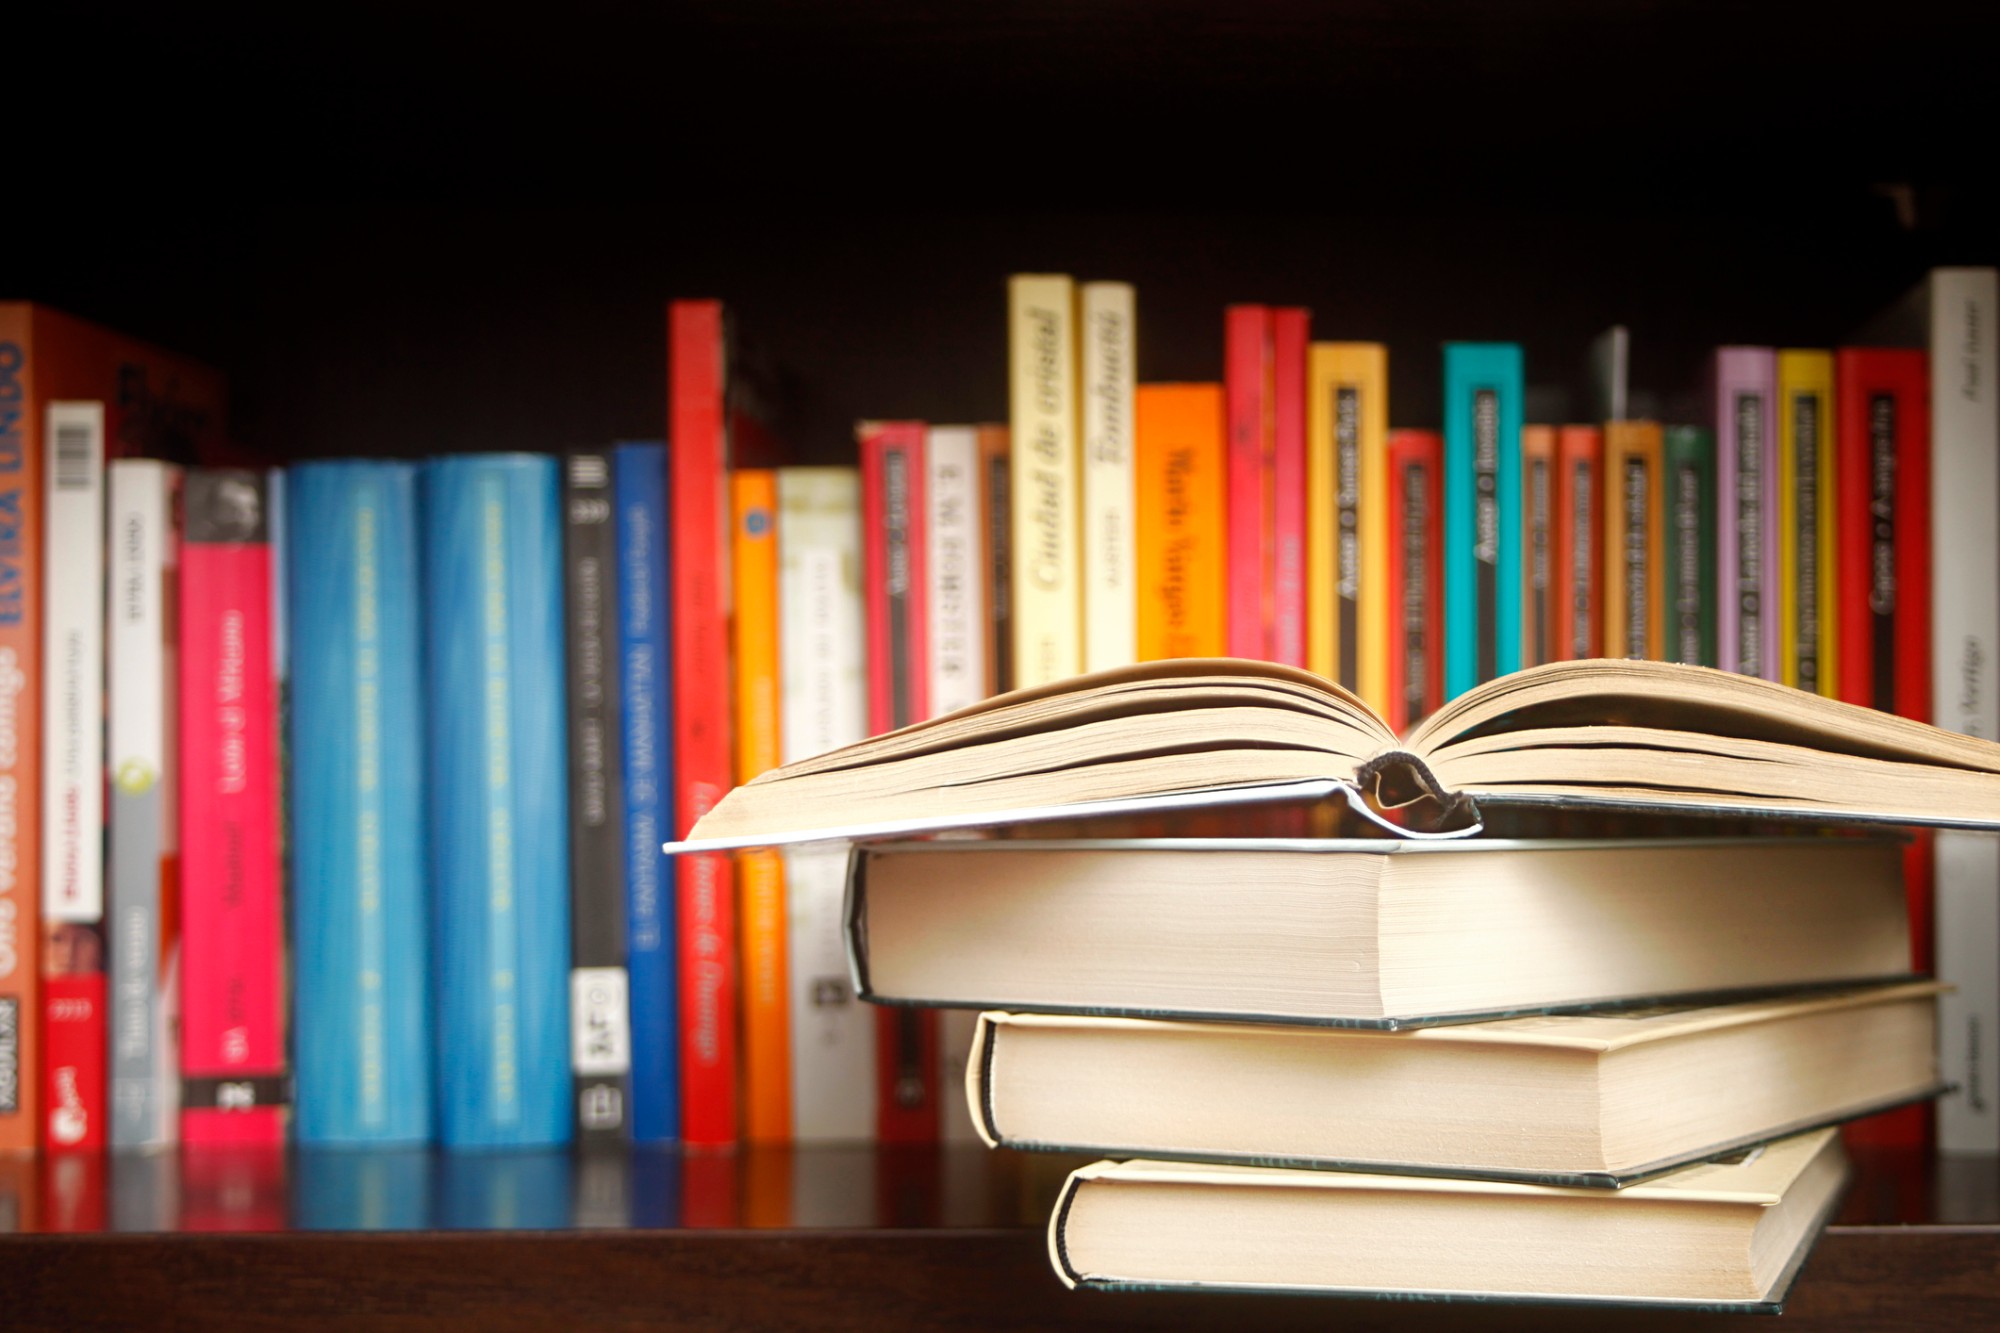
(1442, 1063)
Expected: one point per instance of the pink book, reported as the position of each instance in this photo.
(1746, 488)
(1247, 387)
(1291, 329)
(234, 1087)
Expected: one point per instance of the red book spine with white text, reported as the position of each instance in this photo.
(1416, 577)
(1578, 527)
(1883, 581)
(698, 461)
(234, 1086)
(895, 579)
(1248, 390)
(1291, 330)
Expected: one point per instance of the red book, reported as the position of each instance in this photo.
(698, 461)
(1578, 525)
(894, 582)
(1416, 576)
(234, 1086)
(1290, 332)
(1882, 585)
(1248, 390)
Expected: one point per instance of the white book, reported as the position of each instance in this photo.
(1965, 656)
(1107, 334)
(73, 668)
(825, 705)
(144, 822)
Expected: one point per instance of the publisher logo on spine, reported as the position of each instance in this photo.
(10, 1055)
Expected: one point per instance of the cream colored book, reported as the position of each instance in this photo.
(1723, 1235)
(1047, 491)
(1590, 735)
(1108, 334)
(1367, 934)
(1599, 1099)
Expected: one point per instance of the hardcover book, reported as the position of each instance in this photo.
(1482, 513)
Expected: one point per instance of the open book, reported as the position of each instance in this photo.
(1202, 732)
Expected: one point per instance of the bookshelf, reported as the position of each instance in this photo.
(401, 234)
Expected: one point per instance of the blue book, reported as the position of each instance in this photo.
(499, 798)
(1482, 513)
(361, 1012)
(639, 489)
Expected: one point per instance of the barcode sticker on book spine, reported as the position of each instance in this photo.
(75, 432)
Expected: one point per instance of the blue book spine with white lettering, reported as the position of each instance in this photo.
(639, 490)
(1482, 513)
(360, 952)
(498, 776)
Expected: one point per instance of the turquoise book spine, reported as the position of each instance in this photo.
(1482, 513)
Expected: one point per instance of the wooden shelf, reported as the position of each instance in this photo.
(827, 1238)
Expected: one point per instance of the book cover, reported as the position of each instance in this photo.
(639, 489)
(1247, 376)
(824, 706)
(1747, 561)
(895, 575)
(1108, 333)
(1538, 511)
(498, 783)
(1807, 506)
(74, 1001)
(360, 938)
(996, 526)
(1482, 513)
(1687, 469)
(1634, 584)
(767, 1091)
(1579, 525)
(235, 1087)
(599, 1008)
(142, 888)
(1347, 489)
(1045, 489)
(697, 461)
(1182, 534)
(1415, 549)
(1291, 332)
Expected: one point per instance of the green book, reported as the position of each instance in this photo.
(1689, 452)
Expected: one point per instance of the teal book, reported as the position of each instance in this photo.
(1689, 559)
(1482, 513)
(499, 799)
(360, 942)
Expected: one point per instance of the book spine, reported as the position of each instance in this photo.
(767, 1092)
(824, 707)
(1044, 490)
(639, 488)
(1806, 510)
(141, 885)
(895, 549)
(234, 1085)
(599, 1005)
(1633, 541)
(1182, 453)
(1291, 330)
(499, 800)
(359, 929)
(1347, 488)
(955, 614)
(1687, 471)
(21, 499)
(1482, 513)
(1965, 637)
(1108, 335)
(1579, 523)
(74, 1030)
(1416, 576)
(1247, 376)
(996, 526)
(1538, 477)
(699, 561)
(1747, 556)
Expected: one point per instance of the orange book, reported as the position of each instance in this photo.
(1579, 530)
(767, 1045)
(1181, 451)
(997, 576)
(1538, 571)
(155, 405)
(1635, 601)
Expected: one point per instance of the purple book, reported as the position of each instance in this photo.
(1746, 527)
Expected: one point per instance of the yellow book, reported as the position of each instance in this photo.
(1042, 404)
(1635, 585)
(1181, 457)
(767, 1091)
(1347, 477)
(1806, 592)
(1109, 354)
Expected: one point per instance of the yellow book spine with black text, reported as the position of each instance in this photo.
(1042, 404)
(1635, 585)
(767, 1082)
(1806, 539)
(1347, 477)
